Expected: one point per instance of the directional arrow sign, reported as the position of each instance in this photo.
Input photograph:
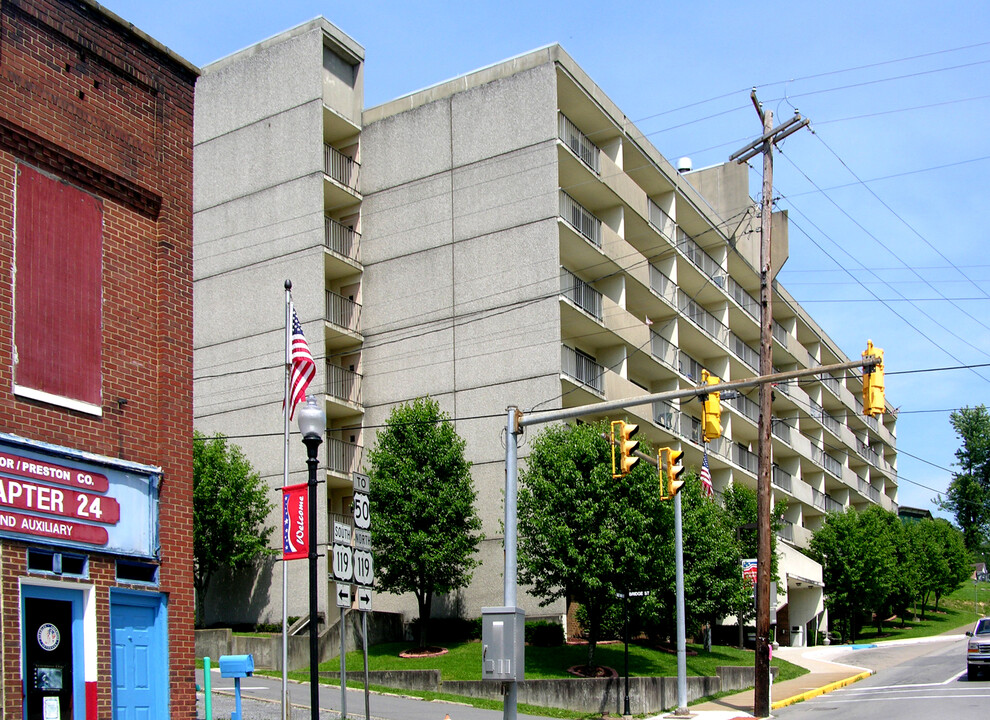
(343, 595)
(364, 599)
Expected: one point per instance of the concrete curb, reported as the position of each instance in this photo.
(821, 691)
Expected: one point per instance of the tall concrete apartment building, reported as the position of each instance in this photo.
(504, 238)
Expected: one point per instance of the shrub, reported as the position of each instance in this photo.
(542, 633)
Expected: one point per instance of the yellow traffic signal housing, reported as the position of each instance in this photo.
(711, 414)
(873, 395)
(674, 471)
(622, 433)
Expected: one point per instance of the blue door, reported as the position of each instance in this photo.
(139, 663)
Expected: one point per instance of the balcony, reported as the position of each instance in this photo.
(578, 142)
(342, 240)
(663, 286)
(343, 458)
(341, 171)
(779, 333)
(744, 458)
(663, 350)
(745, 407)
(581, 294)
(689, 367)
(665, 416)
(868, 491)
(781, 430)
(343, 322)
(749, 356)
(343, 384)
(833, 425)
(582, 368)
(786, 531)
(583, 222)
(825, 502)
(832, 465)
(703, 319)
(746, 301)
(702, 260)
(661, 221)
(780, 478)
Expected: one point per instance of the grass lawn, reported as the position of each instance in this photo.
(954, 611)
(463, 662)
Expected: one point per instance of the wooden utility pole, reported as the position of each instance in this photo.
(771, 135)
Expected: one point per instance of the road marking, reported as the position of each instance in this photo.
(953, 678)
(888, 699)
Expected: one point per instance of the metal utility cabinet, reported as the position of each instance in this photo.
(503, 642)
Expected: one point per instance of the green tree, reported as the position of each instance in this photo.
(968, 496)
(857, 551)
(230, 506)
(426, 530)
(583, 535)
(941, 558)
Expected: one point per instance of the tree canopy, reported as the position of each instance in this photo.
(230, 507)
(426, 530)
(968, 495)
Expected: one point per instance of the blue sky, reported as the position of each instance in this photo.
(886, 198)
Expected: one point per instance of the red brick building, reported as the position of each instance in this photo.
(96, 598)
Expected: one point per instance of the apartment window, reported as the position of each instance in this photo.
(58, 292)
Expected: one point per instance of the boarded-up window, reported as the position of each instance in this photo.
(58, 254)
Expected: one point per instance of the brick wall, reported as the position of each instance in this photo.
(91, 102)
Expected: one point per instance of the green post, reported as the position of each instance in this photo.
(207, 689)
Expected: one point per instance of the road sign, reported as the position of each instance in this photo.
(362, 511)
(341, 533)
(364, 598)
(363, 568)
(343, 562)
(343, 595)
(362, 483)
(362, 540)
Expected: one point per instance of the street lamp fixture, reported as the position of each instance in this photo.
(312, 426)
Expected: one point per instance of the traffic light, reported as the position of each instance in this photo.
(711, 414)
(622, 433)
(674, 471)
(873, 398)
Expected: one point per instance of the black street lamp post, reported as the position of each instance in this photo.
(312, 425)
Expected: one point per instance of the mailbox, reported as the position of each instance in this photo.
(236, 666)
(503, 642)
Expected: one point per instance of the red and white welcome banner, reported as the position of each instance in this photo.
(295, 522)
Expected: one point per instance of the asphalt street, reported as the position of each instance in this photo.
(913, 682)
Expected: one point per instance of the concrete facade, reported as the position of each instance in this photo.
(522, 243)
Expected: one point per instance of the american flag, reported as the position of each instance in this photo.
(303, 367)
(706, 476)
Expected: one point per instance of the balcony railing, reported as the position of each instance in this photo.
(815, 410)
(662, 221)
(663, 350)
(831, 423)
(582, 368)
(580, 219)
(689, 367)
(746, 301)
(343, 312)
(744, 352)
(817, 456)
(779, 333)
(341, 239)
(832, 465)
(343, 458)
(578, 142)
(705, 262)
(780, 478)
(831, 383)
(667, 417)
(786, 531)
(867, 490)
(343, 384)
(342, 519)
(833, 505)
(341, 168)
(744, 458)
(867, 452)
(581, 293)
(818, 499)
(702, 318)
(781, 430)
(746, 407)
(663, 286)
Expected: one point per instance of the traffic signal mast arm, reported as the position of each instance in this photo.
(538, 418)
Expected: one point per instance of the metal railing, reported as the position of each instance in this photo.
(660, 220)
(689, 367)
(786, 531)
(584, 369)
(818, 499)
(341, 239)
(816, 411)
(831, 423)
(343, 457)
(818, 456)
(781, 430)
(667, 417)
(832, 465)
(779, 333)
(343, 384)
(581, 293)
(746, 407)
(867, 490)
(663, 350)
(780, 478)
(744, 352)
(343, 312)
(867, 452)
(578, 142)
(746, 301)
(663, 286)
(702, 318)
(832, 505)
(831, 383)
(705, 262)
(341, 168)
(580, 219)
(744, 458)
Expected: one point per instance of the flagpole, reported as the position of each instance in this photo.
(286, 707)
